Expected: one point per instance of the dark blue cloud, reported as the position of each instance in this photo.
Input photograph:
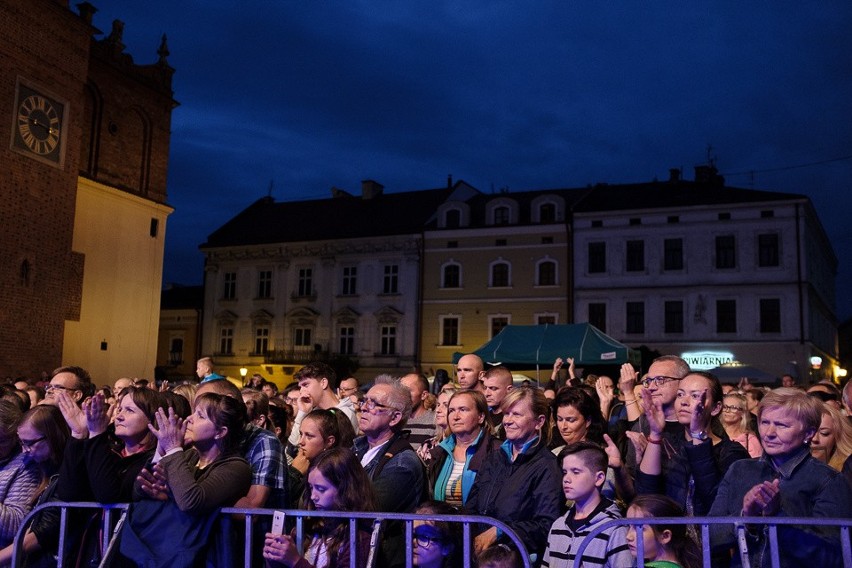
(502, 94)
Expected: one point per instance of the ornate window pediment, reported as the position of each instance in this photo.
(389, 315)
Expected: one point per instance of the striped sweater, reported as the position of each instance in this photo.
(19, 481)
(608, 548)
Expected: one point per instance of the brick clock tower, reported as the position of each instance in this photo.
(84, 143)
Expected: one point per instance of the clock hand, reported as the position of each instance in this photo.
(45, 126)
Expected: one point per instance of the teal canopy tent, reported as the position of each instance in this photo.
(535, 345)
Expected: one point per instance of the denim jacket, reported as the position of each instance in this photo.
(809, 488)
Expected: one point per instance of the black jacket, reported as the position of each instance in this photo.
(525, 494)
(706, 463)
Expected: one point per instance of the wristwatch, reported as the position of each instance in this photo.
(699, 435)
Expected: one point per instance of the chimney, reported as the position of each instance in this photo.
(674, 174)
(703, 174)
(709, 174)
(449, 181)
(371, 189)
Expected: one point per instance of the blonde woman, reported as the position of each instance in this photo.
(832, 443)
(735, 418)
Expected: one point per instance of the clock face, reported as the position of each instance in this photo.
(39, 125)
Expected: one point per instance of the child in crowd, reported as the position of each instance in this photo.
(665, 546)
(437, 544)
(336, 482)
(499, 556)
(584, 467)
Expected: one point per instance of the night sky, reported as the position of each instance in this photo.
(522, 95)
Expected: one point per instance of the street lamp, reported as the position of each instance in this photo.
(243, 373)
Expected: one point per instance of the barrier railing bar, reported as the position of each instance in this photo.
(409, 546)
(407, 518)
(739, 523)
(705, 543)
(774, 555)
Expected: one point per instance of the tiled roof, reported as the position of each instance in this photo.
(677, 194)
(342, 217)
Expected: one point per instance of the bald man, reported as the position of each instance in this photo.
(421, 423)
(469, 370)
(497, 383)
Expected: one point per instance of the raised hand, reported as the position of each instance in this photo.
(72, 414)
(97, 414)
(153, 483)
(763, 499)
(169, 431)
(612, 453)
(606, 394)
(305, 404)
(627, 379)
(699, 421)
(653, 412)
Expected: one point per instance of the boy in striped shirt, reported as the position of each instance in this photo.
(583, 472)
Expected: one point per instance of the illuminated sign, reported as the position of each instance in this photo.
(706, 360)
(816, 362)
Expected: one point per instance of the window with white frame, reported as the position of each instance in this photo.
(501, 215)
(306, 282)
(496, 323)
(547, 213)
(452, 219)
(388, 340)
(226, 340)
(261, 340)
(302, 337)
(500, 274)
(229, 286)
(390, 282)
(450, 327)
(451, 276)
(546, 273)
(264, 284)
(349, 285)
(346, 336)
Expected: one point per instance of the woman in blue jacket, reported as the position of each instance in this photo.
(521, 483)
(456, 460)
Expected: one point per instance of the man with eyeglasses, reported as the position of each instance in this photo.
(397, 474)
(660, 387)
(76, 381)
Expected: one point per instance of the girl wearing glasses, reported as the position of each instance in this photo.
(43, 434)
(437, 544)
(19, 477)
(735, 420)
(336, 482)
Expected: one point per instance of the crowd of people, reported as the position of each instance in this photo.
(551, 462)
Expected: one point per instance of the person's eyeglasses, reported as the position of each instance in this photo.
(31, 443)
(658, 381)
(425, 541)
(49, 388)
(370, 404)
(726, 408)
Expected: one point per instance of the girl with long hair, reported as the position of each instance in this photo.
(664, 546)
(336, 482)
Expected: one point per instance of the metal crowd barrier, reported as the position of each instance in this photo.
(378, 518)
(740, 528)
